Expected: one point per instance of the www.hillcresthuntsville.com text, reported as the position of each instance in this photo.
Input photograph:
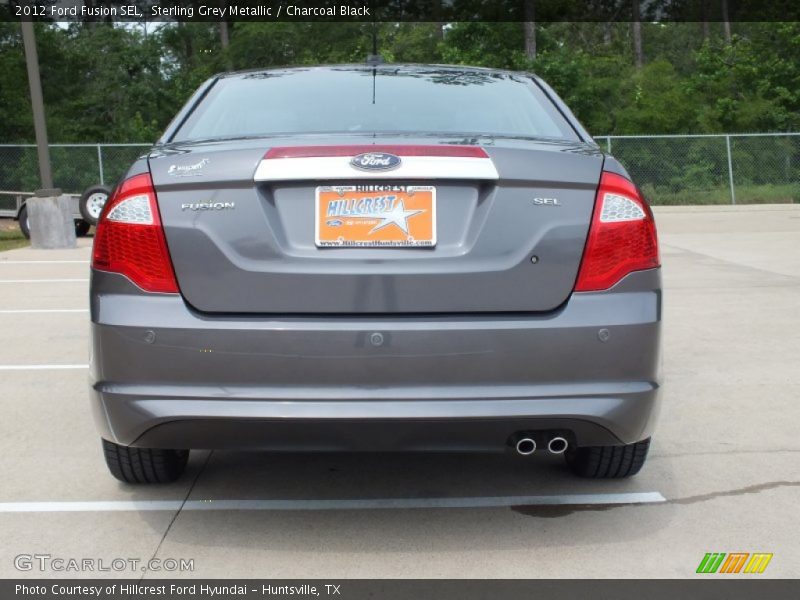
(275, 11)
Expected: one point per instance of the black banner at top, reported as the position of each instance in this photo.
(399, 10)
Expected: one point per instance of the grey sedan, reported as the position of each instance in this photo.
(372, 258)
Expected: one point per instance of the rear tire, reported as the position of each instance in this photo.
(81, 228)
(24, 223)
(608, 462)
(144, 465)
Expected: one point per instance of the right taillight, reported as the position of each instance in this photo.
(130, 240)
(622, 237)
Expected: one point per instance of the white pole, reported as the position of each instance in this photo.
(730, 169)
(100, 164)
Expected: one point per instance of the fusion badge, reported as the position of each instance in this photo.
(208, 206)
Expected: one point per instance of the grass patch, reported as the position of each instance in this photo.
(12, 238)
(745, 194)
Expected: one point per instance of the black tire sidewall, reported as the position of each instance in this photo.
(23, 222)
(81, 228)
(144, 465)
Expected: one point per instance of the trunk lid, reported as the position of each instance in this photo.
(244, 246)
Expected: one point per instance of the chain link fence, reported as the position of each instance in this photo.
(678, 169)
(75, 167)
(711, 169)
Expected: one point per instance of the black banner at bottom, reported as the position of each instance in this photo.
(385, 589)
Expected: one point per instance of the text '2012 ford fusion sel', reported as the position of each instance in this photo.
(375, 258)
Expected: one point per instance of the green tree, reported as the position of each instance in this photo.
(16, 120)
(751, 84)
(655, 99)
(106, 82)
(102, 83)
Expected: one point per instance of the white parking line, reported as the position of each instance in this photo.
(344, 504)
(41, 311)
(43, 262)
(43, 280)
(40, 367)
(108, 506)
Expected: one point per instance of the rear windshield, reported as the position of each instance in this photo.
(384, 100)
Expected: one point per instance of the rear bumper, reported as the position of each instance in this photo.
(163, 375)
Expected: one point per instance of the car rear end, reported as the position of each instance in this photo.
(477, 279)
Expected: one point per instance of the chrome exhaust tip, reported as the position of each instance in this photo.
(526, 446)
(557, 445)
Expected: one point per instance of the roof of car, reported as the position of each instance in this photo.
(379, 66)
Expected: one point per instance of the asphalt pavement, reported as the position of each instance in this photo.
(723, 473)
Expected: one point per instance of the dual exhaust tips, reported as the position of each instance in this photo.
(526, 446)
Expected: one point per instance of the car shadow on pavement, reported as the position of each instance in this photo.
(251, 476)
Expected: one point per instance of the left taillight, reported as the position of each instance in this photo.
(130, 238)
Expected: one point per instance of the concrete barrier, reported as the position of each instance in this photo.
(50, 219)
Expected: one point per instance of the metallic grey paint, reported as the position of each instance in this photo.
(276, 344)
(514, 367)
(264, 260)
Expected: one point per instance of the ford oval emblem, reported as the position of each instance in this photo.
(375, 161)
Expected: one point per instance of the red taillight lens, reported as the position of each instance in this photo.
(622, 237)
(130, 239)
